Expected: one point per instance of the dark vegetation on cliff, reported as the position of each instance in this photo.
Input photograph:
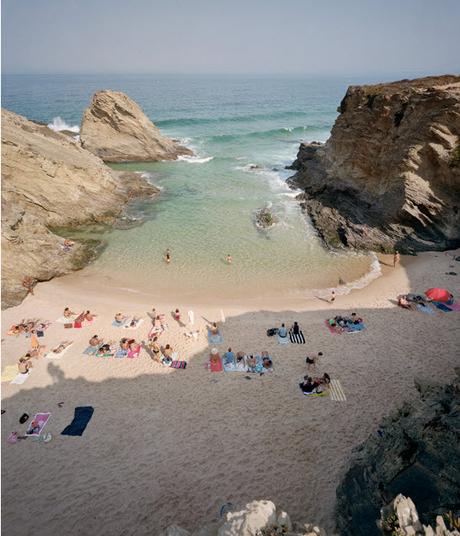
(388, 177)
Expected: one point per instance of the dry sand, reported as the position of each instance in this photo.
(168, 446)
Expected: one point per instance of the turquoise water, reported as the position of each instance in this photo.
(244, 131)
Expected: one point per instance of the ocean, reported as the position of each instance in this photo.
(244, 130)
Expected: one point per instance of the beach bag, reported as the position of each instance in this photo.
(68, 326)
(272, 331)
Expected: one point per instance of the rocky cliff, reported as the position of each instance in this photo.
(415, 452)
(389, 175)
(49, 181)
(116, 129)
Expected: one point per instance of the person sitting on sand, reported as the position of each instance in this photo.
(24, 365)
(214, 357)
(282, 332)
(177, 315)
(155, 349)
(168, 351)
(309, 386)
(295, 328)
(267, 363)
(105, 350)
(68, 313)
(124, 343)
(251, 363)
(119, 319)
(95, 341)
(214, 329)
(229, 357)
(89, 316)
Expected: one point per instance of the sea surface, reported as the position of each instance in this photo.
(244, 130)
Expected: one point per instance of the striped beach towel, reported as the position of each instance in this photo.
(296, 338)
(336, 390)
(178, 364)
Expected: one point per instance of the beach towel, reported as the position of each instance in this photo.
(222, 316)
(120, 353)
(216, 366)
(335, 330)
(52, 355)
(191, 318)
(134, 353)
(91, 350)
(442, 307)
(215, 339)
(283, 340)
(9, 373)
(121, 324)
(296, 338)
(81, 418)
(138, 323)
(37, 424)
(336, 390)
(178, 364)
(322, 393)
(425, 309)
(20, 378)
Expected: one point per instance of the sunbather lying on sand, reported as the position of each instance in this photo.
(68, 313)
(310, 386)
(134, 322)
(404, 303)
(155, 350)
(61, 347)
(120, 319)
(105, 350)
(89, 316)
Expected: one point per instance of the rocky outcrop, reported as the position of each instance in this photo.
(116, 129)
(49, 181)
(415, 452)
(389, 175)
(264, 218)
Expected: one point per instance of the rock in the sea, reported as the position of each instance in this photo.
(50, 182)
(250, 521)
(389, 175)
(116, 129)
(264, 218)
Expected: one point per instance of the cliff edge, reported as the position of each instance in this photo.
(115, 128)
(49, 181)
(389, 175)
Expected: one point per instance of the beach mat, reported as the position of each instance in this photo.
(20, 378)
(296, 338)
(9, 373)
(283, 340)
(425, 309)
(216, 367)
(41, 419)
(52, 355)
(215, 339)
(91, 350)
(442, 307)
(115, 324)
(127, 326)
(178, 364)
(454, 307)
(81, 418)
(336, 390)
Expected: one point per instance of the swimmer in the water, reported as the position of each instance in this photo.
(168, 256)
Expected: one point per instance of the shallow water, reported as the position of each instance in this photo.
(244, 131)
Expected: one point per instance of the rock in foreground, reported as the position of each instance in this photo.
(389, 175)
(49, 181)
(116, 129)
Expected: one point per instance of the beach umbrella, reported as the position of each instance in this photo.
(438, 294)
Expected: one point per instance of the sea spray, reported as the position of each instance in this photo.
(58, 124)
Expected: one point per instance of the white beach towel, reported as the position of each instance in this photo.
(20, 378)
(127, 326)
(52, 355)
(191, 318)
(337, 393)
(222, 316)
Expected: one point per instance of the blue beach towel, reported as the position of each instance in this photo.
(91, 350)
(425, 309)
(121, 353)
(215, 339)
(80, 421)
(283, 340)
(442, 307)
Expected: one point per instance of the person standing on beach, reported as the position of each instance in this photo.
(168, 256)
(396, 258)
(332, 299)
(229, 259)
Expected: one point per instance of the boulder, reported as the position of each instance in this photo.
(389, 175)
(49, 182)
(116, 129)
(174, 530)
(254, 517)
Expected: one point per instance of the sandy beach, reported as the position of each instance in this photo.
(172, 446)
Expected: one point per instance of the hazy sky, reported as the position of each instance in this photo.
(231, 36)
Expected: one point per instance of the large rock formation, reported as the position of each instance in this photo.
(389, 175)
(49, 181)
(415, 452)
(116, 129)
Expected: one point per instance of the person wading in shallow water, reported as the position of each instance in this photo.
(168, 256)
(229, 259)
(396, 258)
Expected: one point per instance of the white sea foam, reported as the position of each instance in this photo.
(58, 124)
(196, 159)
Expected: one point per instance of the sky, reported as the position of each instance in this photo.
(231, 36)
